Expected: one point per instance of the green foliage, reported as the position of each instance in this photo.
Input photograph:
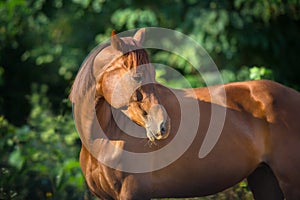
(257, 73)
(247, 73)
(41, 155)
(242, 32)
(133, 18)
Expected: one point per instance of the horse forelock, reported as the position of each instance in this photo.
(133, 55)
(131, 59)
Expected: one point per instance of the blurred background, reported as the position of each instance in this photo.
(44, 42)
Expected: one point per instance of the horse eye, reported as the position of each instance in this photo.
(139, 96)
(137, 78)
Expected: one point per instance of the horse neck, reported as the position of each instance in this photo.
(107, 116)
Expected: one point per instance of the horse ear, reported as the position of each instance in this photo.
(140, 35)
(116, 42)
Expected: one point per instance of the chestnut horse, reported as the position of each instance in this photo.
(260, 139)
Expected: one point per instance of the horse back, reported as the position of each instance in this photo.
(262, 99)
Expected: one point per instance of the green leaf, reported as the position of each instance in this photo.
(16, 159)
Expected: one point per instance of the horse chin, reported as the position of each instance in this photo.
(151, 137)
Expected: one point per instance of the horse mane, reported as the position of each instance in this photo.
(85, 77)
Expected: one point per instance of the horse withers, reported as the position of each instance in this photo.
(260, 138)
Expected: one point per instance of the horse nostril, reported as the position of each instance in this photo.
(162, 128)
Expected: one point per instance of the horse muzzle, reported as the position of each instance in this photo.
(157, 123)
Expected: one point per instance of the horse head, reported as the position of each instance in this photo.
(127, 83)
